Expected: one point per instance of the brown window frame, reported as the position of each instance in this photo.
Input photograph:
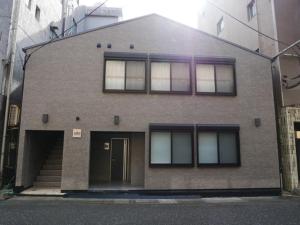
(214, 62)
(120, 56)
(220, 129)
(171, 59)
(172, 128)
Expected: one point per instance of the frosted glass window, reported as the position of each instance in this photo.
(224, 76)
(135, 75)
(182, 148)
(228, 150)
(207, 147)
(115, 75)
(205, 77)
(180, 76)
(161, 147)
(160, 76)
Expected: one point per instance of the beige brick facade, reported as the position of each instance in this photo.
(288, 117)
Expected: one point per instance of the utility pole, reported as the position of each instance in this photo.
(11, 52)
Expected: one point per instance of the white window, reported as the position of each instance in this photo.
(170, 76)
(122, 75)
(135, 75)
(205, 78)
(161, 148)
(220, 26)
(114, 75)
(219, 147)
(207, 147)
(215, 79)
(224, 78)
(160, 76)
(37, 13)
(251, 9)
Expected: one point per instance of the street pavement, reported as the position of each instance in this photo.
(205, 211)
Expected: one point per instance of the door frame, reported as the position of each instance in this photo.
(126, 158)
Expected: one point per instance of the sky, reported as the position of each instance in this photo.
(182, 11)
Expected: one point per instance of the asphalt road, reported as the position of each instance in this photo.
(252, 211)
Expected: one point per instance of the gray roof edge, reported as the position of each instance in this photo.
(142, 17)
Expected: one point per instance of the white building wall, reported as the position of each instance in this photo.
(32, 31)
(5, 14)
(101, 17)
(233, 31)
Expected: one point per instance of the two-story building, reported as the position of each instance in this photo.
(148, 104)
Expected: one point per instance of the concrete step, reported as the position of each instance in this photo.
(54, 157)
(52, 167)
(56, 153)
(44, 178)
(46, 184)
(53, 161)
(56, 150)
(50, 172)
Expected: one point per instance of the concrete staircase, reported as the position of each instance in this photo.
(50, 174)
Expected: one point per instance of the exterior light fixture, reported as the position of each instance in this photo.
(45, 118)
(257, 122)
(131, 46)
(116, 120)
(109, 45)
(77, 118)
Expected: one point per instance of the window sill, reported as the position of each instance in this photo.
(213, 165)
(216, 94)
(171, 165)
(172, 92)
(125, 91)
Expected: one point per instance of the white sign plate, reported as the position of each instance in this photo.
(76, 133)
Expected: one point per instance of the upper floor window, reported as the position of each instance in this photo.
(170, 76)
(171, 145)
(220, 26)
(215, 77)
(218, 145)
(37, 13)
(251, 9)
(28, 3)
(125, 74)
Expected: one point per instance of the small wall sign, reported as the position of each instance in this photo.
(76, 133)
(297, 134)
(106, 146)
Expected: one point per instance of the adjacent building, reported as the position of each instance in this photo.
(33, 22)
(22, 23)
(176, 109)
(93, 18)
(267, 27)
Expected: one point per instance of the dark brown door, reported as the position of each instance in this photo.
(298, 156)
(117, 152)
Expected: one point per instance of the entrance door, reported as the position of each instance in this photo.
(298, 156)
(119, 160)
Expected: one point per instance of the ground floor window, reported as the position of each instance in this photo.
(218, 145)
(171, 145)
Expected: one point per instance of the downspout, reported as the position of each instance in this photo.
(63, 15)
(11, 54)
(277, 105)
(27, 56)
